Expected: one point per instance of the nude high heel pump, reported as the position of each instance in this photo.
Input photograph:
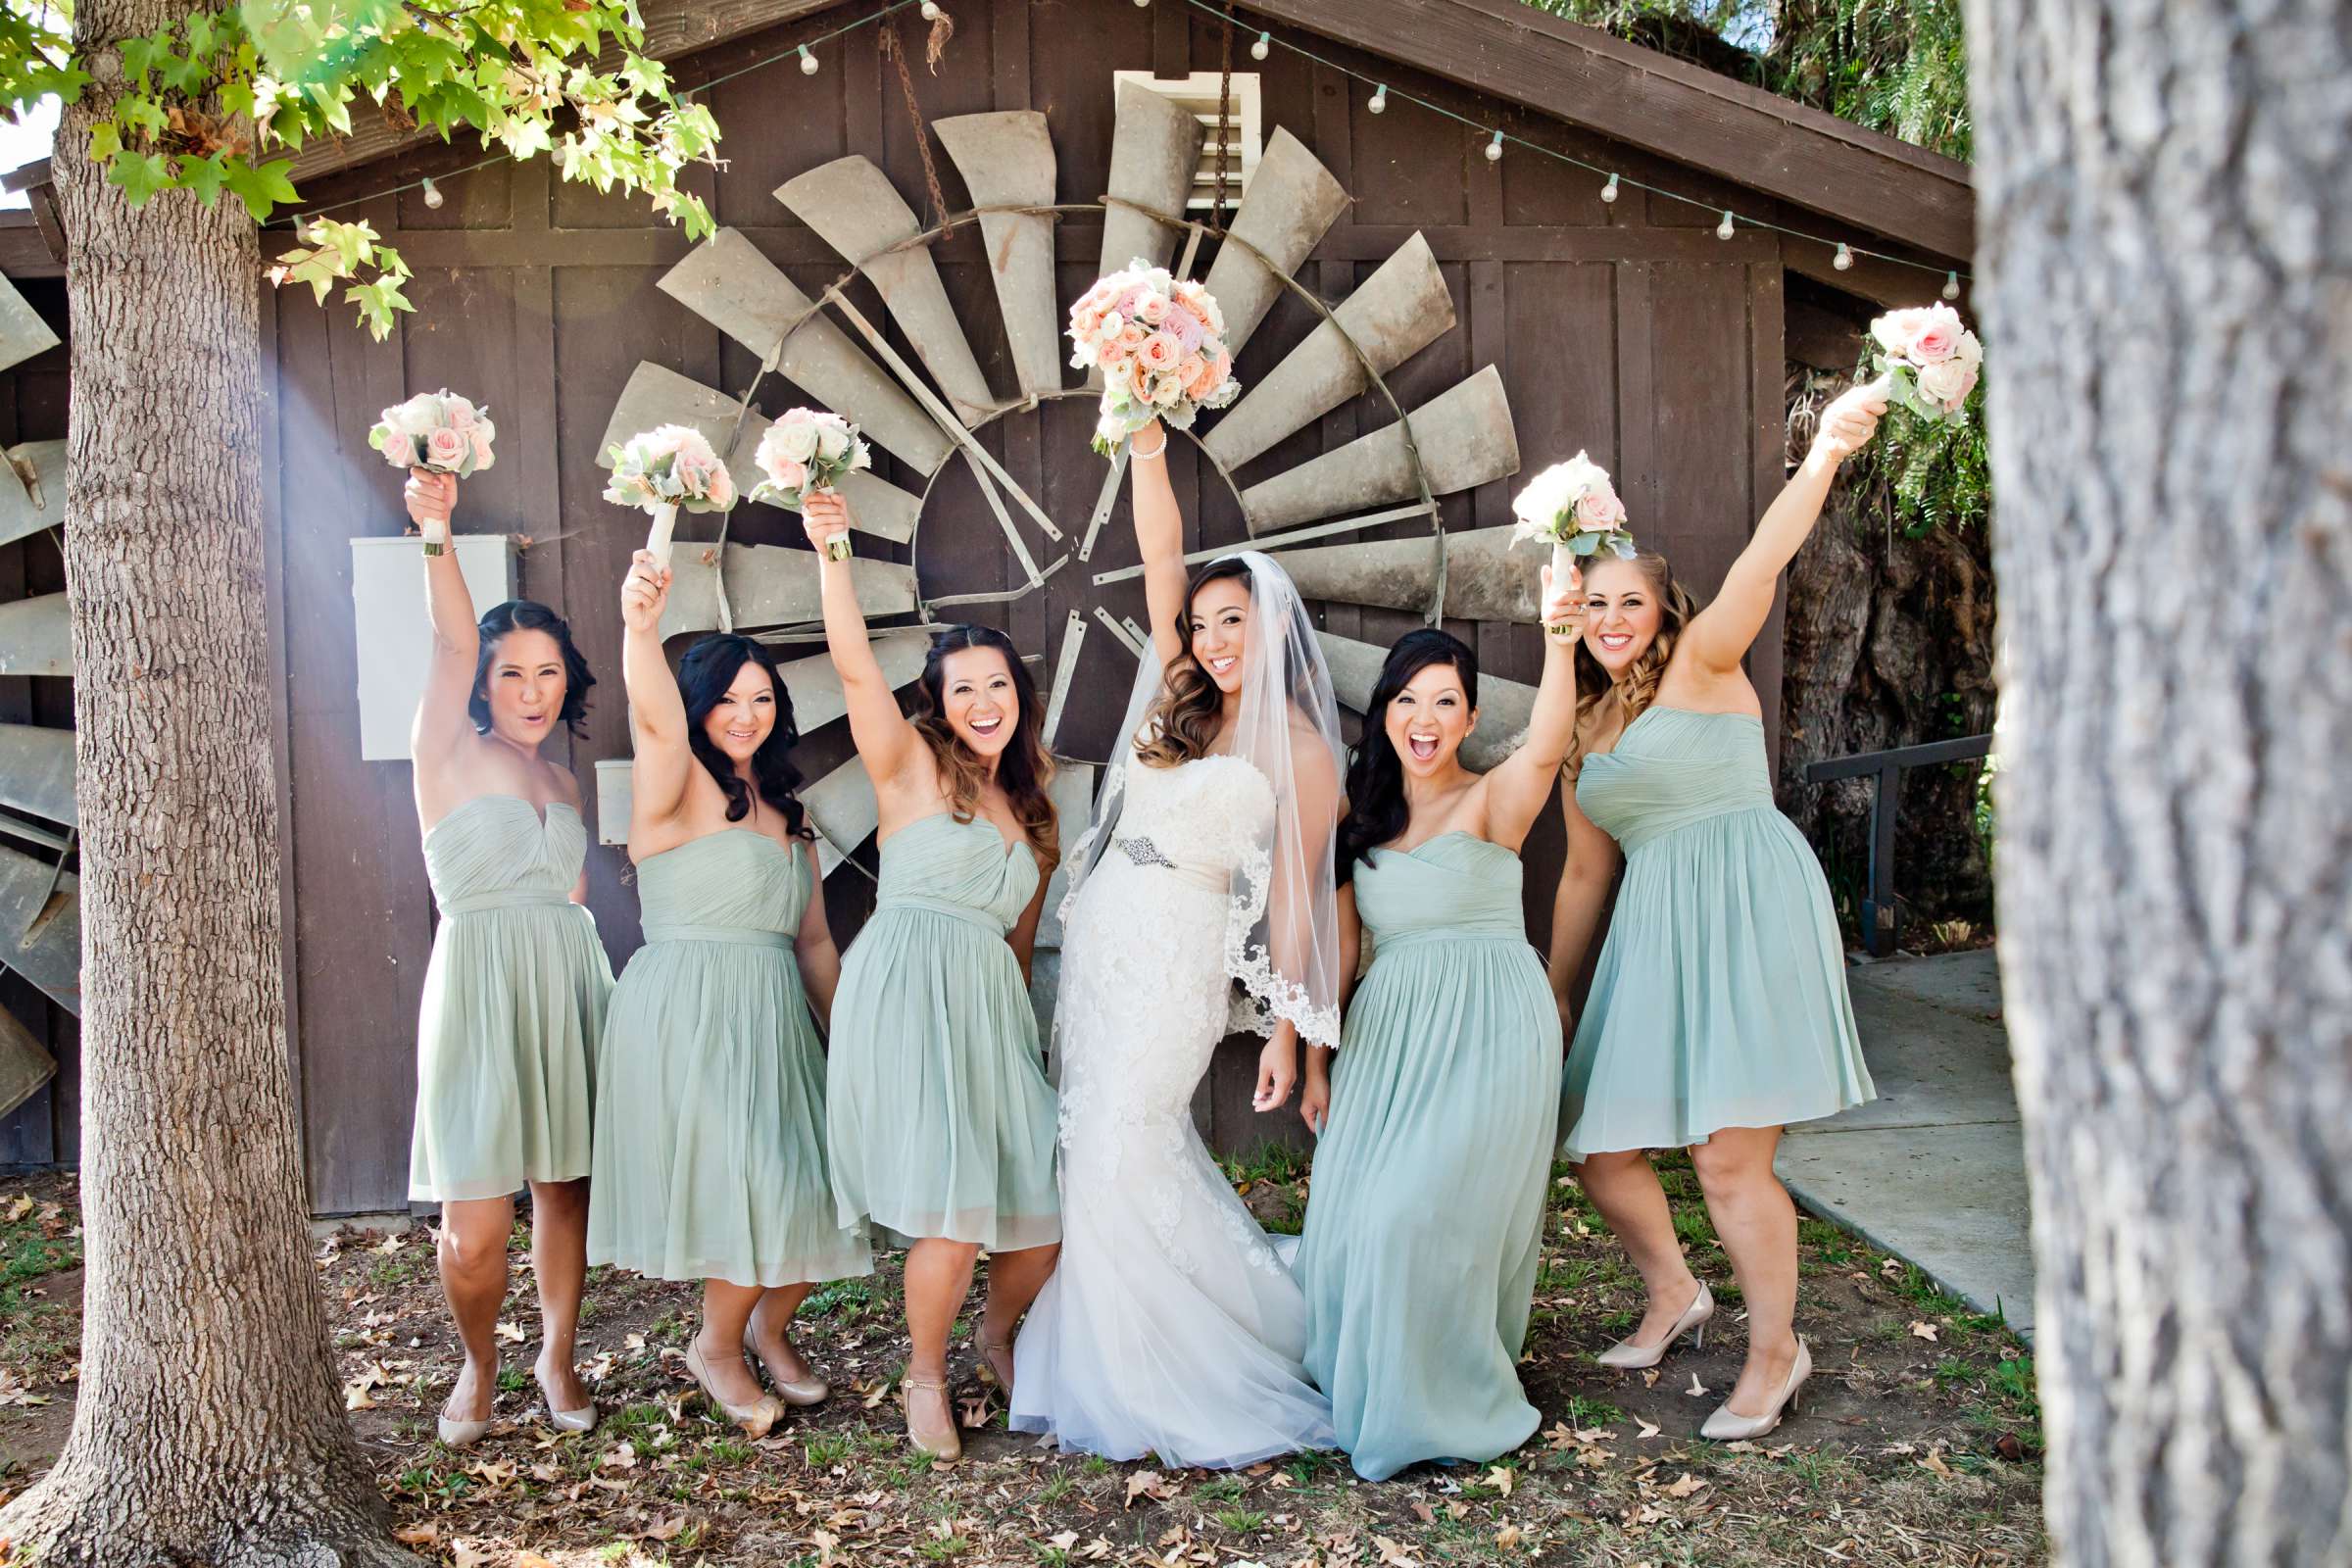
(1627, 1354)
(802, 1392)
(943, 1443)
(574, 1421)
(1725, 1427)
(756, 1420)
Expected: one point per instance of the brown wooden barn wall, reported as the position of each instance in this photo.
(1627, 331)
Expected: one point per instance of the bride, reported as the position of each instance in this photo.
(1171, 1327)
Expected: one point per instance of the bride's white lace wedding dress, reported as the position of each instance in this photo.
(1169, 1327)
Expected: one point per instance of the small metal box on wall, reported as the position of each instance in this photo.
(395, 639)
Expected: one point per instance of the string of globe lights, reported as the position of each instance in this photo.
(1841, 255)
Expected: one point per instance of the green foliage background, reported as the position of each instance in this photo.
(1896, 65)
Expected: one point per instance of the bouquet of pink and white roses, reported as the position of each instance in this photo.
(1159, 342)
(807, 450)
(1931, 360)
(662, 469)
(439, 432)
(1574, 505)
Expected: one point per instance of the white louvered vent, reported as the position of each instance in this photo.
(1244, 132)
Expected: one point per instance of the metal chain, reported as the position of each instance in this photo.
(915, 117)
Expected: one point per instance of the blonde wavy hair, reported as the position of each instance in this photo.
(1638, 687)
(1181, 726)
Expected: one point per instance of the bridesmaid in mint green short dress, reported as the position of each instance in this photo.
(941, 1124)
(514, 992)
(711, 1120)
(1718, 1012)
(1426, 1222)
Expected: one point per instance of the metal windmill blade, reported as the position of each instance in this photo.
(36, 636)
(1006, 160)
(1485, 580)
(768, 585)
(36, 771)
(843, 811)
(855, 209)
(25, 1063)
(41, 926)
(1400, 310)
(1465, 436)
(726, 281)
(23, 333)
(32, 490)
(1292, 203)
(1503, 705)
(817, 698)
(1155, 148)
(655, 395)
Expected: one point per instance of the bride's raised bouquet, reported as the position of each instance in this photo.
(1159, 342)
(439, 432)
(1931, 360)
(1574, 506)
(662, 469)
(805, 452)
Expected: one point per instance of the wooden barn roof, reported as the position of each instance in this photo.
(1511, 51)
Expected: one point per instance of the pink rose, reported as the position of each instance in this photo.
(1897, 329)
(1152, 309)
(1600, 509)
(1185, 327)
(445, 448)
(1938, 334)
(457, 411)
(1947, 382)
(1159, 352)
(482, 446)
(400, 451)
(1190, 372)
(1131, 337)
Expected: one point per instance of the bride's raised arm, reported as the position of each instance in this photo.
(1159, 536)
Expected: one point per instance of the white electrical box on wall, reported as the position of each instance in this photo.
(395, 640)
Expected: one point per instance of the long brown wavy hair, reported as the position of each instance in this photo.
(1638, 687)
(1024, 768)
(1181, 726)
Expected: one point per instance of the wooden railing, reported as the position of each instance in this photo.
(1879, 917)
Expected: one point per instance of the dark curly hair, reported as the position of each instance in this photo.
(528, 615)
(704, 674)
(1181, 726)
(1024, 768)
(1375, 805)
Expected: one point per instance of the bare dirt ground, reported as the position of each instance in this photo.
(1919, 1442)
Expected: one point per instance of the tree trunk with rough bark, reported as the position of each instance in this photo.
(207, 1427)
(2166, 272)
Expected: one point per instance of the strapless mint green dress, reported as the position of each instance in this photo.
(1719, 999)
(939, 1121)
(514, 1001)
(710, 1111)
(1426, 1221)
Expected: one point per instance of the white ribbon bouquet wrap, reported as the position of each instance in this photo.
(662, 469)
(438, 432)
(1574, 506)
(803, 453)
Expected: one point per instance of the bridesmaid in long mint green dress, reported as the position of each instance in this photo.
(939, 1121)
(1437, 1120)
(1718, 1012)
(711, 1127)
(514, 992)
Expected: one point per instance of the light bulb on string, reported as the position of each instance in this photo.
(1264, 47)
(1140, 4)
(432, 195)
(1608, 192)
(1843, 261)
(1494, 149)
(930, 9)
(808, 61)
(1379, 103)
(1951, 285)
(1723, 231)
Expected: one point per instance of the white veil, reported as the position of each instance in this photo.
(1282, 934)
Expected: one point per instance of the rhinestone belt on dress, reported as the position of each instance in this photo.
(1143, 852)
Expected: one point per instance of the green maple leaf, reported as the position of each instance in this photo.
(204, 177)
(140, 174)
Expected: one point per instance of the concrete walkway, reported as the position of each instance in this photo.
(1933, 1170)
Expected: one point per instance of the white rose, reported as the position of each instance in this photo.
(418, 417)
(796, 435)
(831, 442)
(1945, 383)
